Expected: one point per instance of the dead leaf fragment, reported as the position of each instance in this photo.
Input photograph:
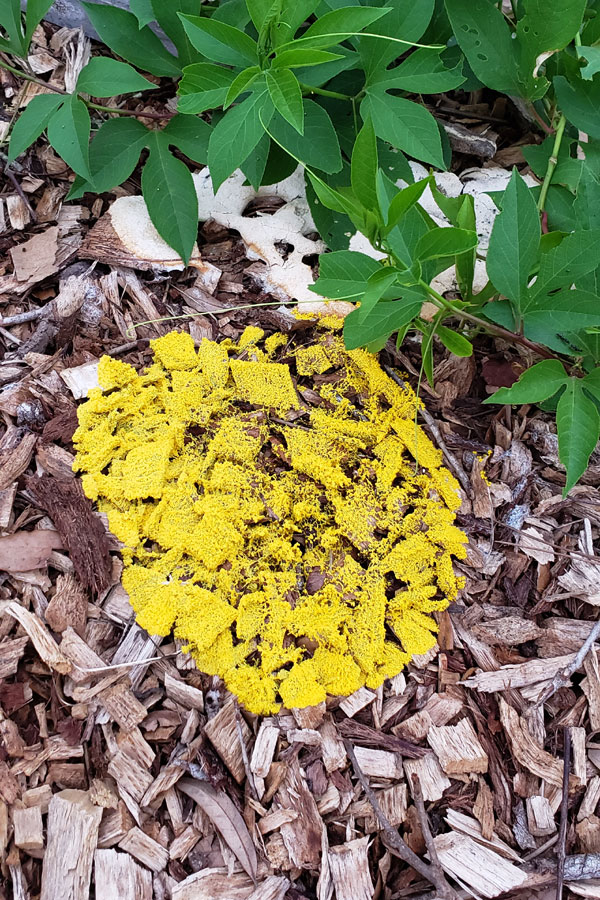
(226, 819)
(27, 550)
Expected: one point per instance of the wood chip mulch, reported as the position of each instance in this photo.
(125, 773)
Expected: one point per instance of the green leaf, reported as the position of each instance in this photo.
(548, 318)
(547, 27)
(106, 77)
(576, 255)
(514, 242)
(140, 46)
(32, 121)
(236, 135)
(405, 125)
(485, 38)
(69, 134)
(536, 384)
(220, 42)
(190, 135)
(170, 196)
(286, 95)
(344, 274)
(421, 72)
(290, 59)
(10, 21)
(587, 200)
(142, 10)
(318, 147)
(241, 83)
(592, 67)
(377, 285)
(441, 242)
(203, 86)
(335, 26)
(255, 164)
(580, 102)
(114, 153)
(259, 10)
(383, 320)
(454, 342)
(405, 200)
(35, 10)
(591, 383)
(578, 426)
(364, 167)
(167, 14)
(407, 20)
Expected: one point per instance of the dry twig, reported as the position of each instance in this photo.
(433, 873)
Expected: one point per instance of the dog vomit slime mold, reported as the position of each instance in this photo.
(279, 508)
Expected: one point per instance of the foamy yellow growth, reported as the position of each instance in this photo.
(297, 549)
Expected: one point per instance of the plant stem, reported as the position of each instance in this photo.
(325, 93)
(552, 162)
(490, 327)
(19, 73)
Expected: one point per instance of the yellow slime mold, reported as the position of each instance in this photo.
(279, 510)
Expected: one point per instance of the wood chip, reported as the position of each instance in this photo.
(68, 606)
(379, 763)
(457, 748)
(183, 693)
(432, 779)
(302, 837)
(349, 867)
(356, 701)
(521, 675)
(29, 829)
(438, 710)
(526, 750)
(121, 877)
(222, 732)
(483, 871)
(145, 849)
(73, 823)
(45, 645)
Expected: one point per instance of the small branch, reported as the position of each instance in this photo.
(20, 192)
(19, 73)
(427, 835)
(396, 844)
(461, 475)
(564, 812)
(563, 676)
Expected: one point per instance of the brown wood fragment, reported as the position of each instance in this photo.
(356, 701)
(534, 671)
(68, 606)
(526, 750)
(82, 532)
(438, 710)
(393, 802)
(222, 732)
(9, 786)
(349, 867)
(302, 837)
(431, 777)
(379, 763)
(458, 748)
(591, 688)
(122, 706)
(332, 747)
(212, 883)
(540, 817)
(579, 754)
(183, 693)
(29, 829)
(145, 849)
(130, 774)
(15, 459)
(116, 823)
(10, 654)
(590, 800)
(459, 821)
(309, 716)
(486, 873)
(119, 876)
(45, 645)
(73, 823)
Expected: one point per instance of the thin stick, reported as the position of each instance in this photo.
(426, 829)
(563, 676)
(11, 177)
(397, 845)
(433, 427)
(564, 812)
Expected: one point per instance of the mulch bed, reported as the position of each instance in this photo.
(116, 752)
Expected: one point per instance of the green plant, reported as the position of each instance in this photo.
(334, 88)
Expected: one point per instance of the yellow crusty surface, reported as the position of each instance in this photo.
(279, 510)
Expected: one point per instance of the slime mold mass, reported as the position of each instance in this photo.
(280, 511)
